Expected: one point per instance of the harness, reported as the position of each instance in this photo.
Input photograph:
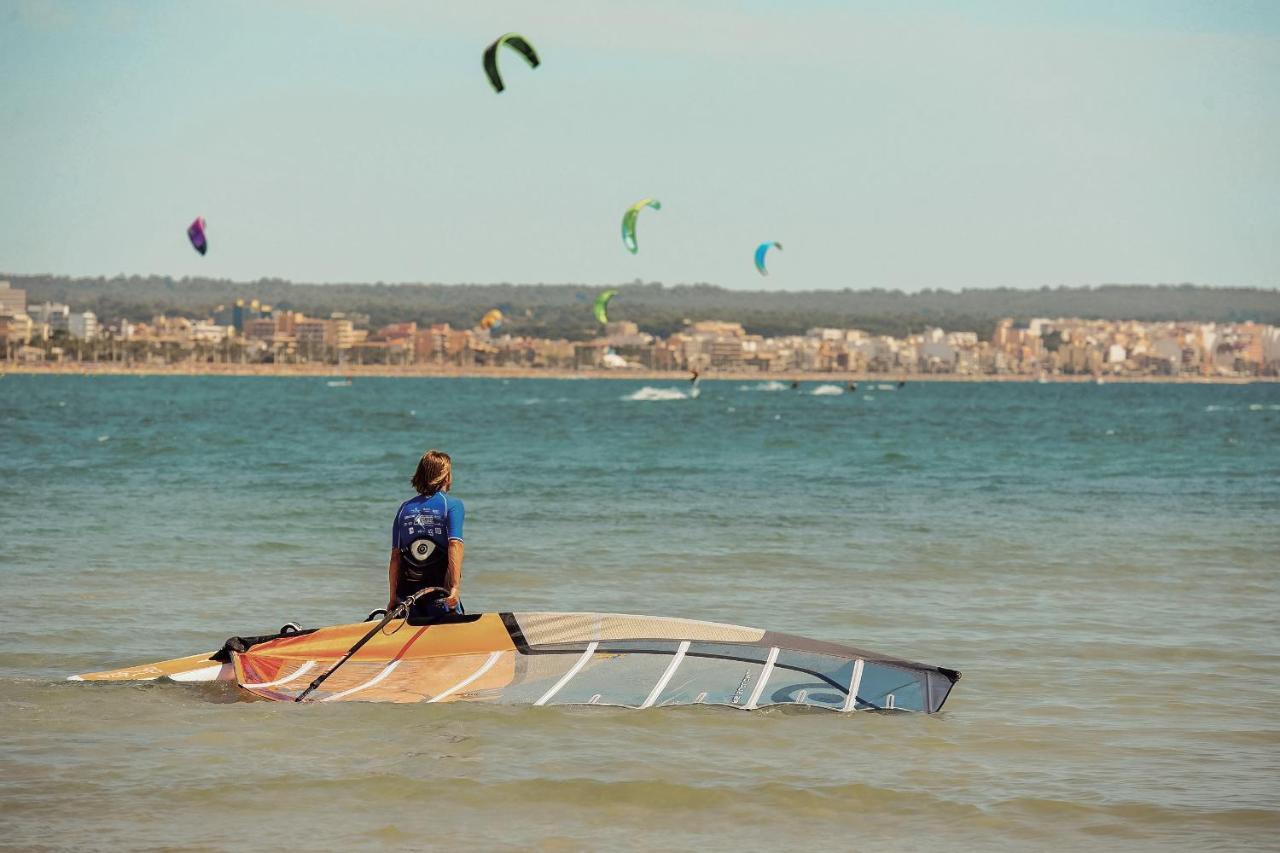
(415, 556)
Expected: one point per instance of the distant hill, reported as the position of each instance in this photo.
(564, 310)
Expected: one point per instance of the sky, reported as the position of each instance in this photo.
(903, 145)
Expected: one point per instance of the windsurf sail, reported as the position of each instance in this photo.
(588, 659)
(545, 659)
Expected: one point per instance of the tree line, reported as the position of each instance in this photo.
(564, 310)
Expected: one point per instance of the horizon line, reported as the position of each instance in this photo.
(6, 275)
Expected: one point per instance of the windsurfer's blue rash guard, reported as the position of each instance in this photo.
(421, 533)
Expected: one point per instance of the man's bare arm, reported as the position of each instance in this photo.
(393, 578)
(453, 575)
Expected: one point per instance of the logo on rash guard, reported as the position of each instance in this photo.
(426, 521)
(421, 549)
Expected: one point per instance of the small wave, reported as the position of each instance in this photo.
(273, 546)
(827, 391)
(648, 394)
(1214, 408)
(886, 387)
(772, 385)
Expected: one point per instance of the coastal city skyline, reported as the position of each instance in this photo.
(250, 332)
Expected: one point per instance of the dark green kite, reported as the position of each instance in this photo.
(516, 42)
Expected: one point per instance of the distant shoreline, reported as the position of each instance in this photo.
(329, 371)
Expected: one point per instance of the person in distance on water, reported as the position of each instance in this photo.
(426, 541)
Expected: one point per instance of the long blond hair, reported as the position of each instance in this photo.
(434, 474)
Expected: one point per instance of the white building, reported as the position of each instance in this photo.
(1271, 345)
(613, 361)
(52, 314)
(1167, 349)
(935, 349)
(83, 326)
(825, 334)
(13, 300)
(206, 332)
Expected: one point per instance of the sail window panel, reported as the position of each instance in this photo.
(885, 686)
(535, 674)
(807, 678)
(715, 674)
(619, 673)
(939, 688)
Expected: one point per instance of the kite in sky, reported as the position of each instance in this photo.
(629, 222)
(761, 251)
(516, 42)
(195, 233)
(601, 306)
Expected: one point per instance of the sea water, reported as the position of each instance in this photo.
(1101, 562)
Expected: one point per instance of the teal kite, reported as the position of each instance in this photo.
(761, 251)
(516, 42)
(629, 222)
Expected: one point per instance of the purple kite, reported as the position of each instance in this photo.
(196, 235)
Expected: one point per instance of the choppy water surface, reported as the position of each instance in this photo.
(1100, 562)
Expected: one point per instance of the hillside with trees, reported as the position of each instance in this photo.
(564, 310)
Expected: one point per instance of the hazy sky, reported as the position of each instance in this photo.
(902, 144)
